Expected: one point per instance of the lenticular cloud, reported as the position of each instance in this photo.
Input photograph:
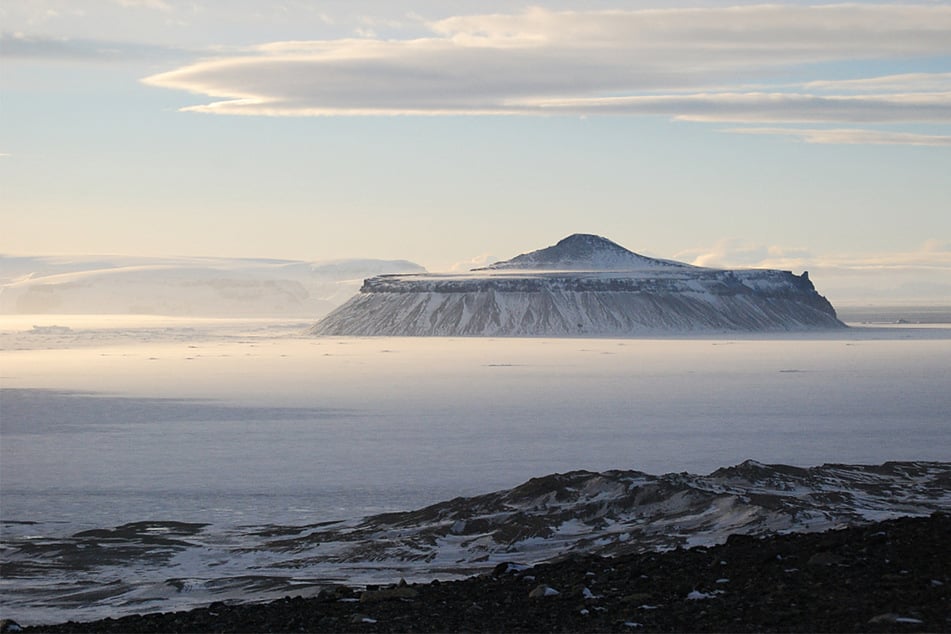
(689, 63)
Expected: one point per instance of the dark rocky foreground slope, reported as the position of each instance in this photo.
(620, 512)
(126, 569)
(583, 286)
(891, 576)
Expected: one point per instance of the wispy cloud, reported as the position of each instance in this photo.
(35, 47)
(850, 137)
(619, 62)
(161, 5)
(933, 255)
(921, 275)
(770, 107)
(477, 261)
(905, 82)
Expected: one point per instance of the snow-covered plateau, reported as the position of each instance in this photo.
(199, 286)
(583, 286)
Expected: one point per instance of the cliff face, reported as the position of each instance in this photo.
(582, 287)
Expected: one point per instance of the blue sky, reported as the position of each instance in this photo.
(727, 134)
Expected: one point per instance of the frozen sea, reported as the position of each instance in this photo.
(111, 420)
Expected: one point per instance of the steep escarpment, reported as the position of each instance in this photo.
(583, 286)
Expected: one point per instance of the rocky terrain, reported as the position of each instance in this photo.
(638, 535)
(583, 286)
(890, 576)
(619, 512)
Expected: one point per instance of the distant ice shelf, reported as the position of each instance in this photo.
(219, 287)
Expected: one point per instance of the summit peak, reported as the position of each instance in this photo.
(589, 242)
(582, 251)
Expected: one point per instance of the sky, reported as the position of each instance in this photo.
(452, 133)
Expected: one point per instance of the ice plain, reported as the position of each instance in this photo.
(108, 420)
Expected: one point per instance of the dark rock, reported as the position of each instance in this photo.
(388, 594)
(542, 591)
(825, 559)
(902, 584)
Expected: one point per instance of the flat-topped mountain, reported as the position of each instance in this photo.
(583, 286)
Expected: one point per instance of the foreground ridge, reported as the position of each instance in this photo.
(579, 514)
(583, 286)
(888, 576)
(620, 512)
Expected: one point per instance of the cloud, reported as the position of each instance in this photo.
(642, 62)
(148, 4)
(851, 137)
(477, 261)
(936, 246)
(933, 255)
(20, 46)
(733, 253)
(770, 107)
(714, 36)
(922, 275)
(905, 82)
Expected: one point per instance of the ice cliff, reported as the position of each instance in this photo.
(583, 286)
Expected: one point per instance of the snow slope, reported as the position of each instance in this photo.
(585, 285)
(182, 286)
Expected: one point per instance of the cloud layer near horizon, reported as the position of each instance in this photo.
(729, 253)
(923, 275)
(700, 64)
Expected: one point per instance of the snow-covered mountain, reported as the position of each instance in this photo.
(183, 286)
(584, 252)
(583, 286)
